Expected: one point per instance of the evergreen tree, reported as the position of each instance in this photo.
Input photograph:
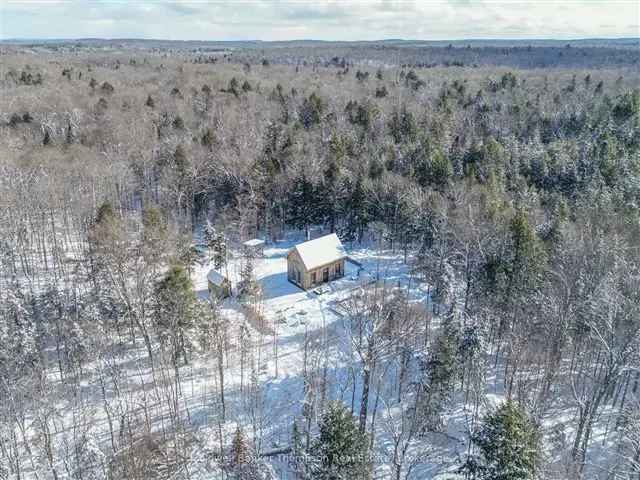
(102, 106)
(239, 448)
(208, 138)
(304, 203)
(249, 286)
(311, 110)
(527, 253)
(341, 448)
(175, 308)
(219, 252)
(155, 229)
(105, 213)
(181, 160)
(356, 210)
(628, 106)
(107, 88)
(402, 125)
(508, 443)
(441, 169)
(107, 232)
(233, 87)
(441, 372)
(381, 92)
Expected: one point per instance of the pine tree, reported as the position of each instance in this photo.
(181, 160)
(175, 308)
(247, 279)
(527, 253)
(208, 138)
(402, 125)
(155, 229)
(508, 443)
(107, 88)
(233, 87)
(440, 168)
(381, 92)
(341, 448)
(441, 372)
(219, 252)
(356, 209)
(105, 213)
(107, 231)
(304, 204)
(239, 448)
(311, 110)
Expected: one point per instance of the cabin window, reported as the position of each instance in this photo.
(313, 277)
(338, 272)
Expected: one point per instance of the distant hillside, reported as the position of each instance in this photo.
(543, 53)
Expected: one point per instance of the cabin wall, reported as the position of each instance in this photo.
(334, 270)
(306, 278)
(294, 264)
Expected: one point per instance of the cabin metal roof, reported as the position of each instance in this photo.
(320, 251)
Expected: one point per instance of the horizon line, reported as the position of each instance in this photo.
(257, 40)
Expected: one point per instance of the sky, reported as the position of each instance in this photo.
(319, 19)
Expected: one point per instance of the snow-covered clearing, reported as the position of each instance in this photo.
(266, 387)
(299, 316)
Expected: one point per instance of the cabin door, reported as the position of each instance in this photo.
(325, 275)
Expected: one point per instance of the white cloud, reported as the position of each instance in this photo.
(319, 19)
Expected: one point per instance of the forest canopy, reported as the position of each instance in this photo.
(504, 179)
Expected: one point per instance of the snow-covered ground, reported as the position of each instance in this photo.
(299, 317)
(296, 308)
(303, 325)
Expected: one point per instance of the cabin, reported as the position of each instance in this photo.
(218, 285)
(316, 261)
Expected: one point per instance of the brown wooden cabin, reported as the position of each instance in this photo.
(317, 261)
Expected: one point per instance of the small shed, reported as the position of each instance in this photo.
(254, 247)
(316, 261)
(218, 285)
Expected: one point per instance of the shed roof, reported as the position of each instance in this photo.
(216, 278)
(321, 251)
(254, 242)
